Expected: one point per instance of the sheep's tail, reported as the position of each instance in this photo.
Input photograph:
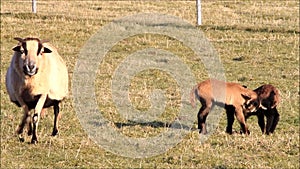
(193, 93)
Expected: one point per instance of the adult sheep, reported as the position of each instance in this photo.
(36, 79)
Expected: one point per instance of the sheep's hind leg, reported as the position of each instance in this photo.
(56, 118)
(29, 126)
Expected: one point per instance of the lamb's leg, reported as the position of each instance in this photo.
(56, 118)
(270, 119)
(200, 120)
(241, 118)
(202, 114)
(230, 119)
(261, 121)
(36, 117)
(275, 120)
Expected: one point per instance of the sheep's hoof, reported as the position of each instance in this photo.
(29, 133)
(34, 139)
(21, 139)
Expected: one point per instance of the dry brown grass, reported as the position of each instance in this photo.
(263, 35)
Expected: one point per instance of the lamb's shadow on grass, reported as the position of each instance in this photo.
(154, 124)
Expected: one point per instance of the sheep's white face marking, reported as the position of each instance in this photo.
(30, 62)
(31, 50)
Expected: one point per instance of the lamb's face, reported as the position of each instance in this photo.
(31, 50)
(251, 103)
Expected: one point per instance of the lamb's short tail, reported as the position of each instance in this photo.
(193, 96)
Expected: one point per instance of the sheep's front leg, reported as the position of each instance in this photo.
(36, 117)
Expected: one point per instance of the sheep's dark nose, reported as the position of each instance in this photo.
(30, 68)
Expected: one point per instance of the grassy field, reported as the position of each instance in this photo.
(257, 41)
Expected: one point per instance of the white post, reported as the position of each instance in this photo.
(34, 6)
(199, 21)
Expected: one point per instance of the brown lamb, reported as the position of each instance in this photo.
(235, 98)
(269, 98)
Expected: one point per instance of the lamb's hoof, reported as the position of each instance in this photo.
(229, 132)
(55, 133)
(34, 141)
(246, 133)
(202, 132)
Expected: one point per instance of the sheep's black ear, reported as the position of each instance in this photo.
(17, 49)
(246, 97)
(19, 39)
(47, 50)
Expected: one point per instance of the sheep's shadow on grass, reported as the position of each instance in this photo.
(154, 124)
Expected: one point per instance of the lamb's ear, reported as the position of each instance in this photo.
(19, 39)
(246, 96)
(17, 49)
(47, 50)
